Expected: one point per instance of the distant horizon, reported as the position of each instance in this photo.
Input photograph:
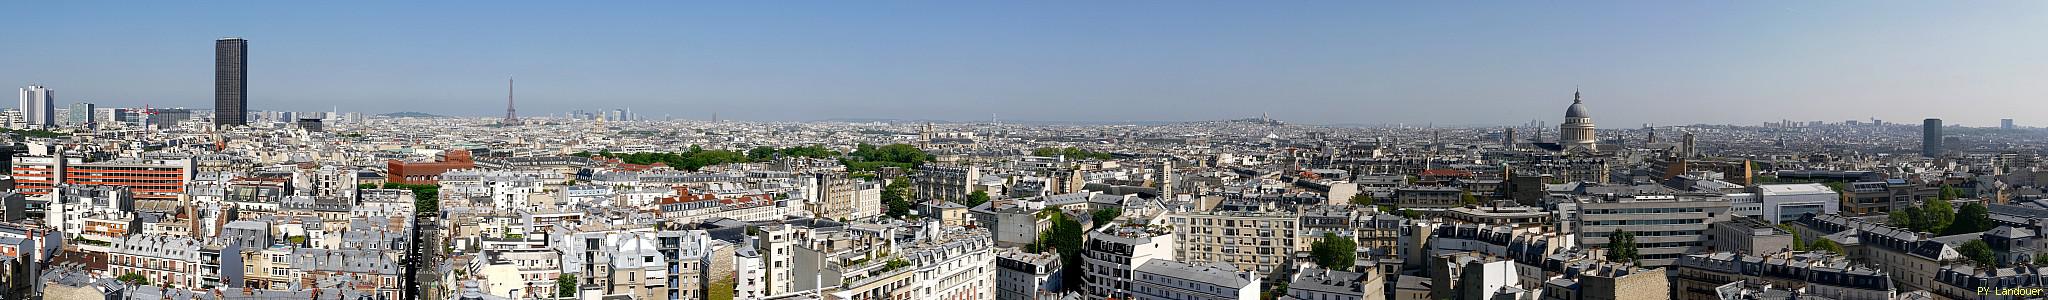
(1914, 123)
(1330, 62)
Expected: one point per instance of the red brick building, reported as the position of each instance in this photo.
(428, 172)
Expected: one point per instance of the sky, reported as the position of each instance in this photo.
(1316, 62)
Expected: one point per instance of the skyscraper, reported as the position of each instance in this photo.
(230, 82)
(80, 115)
(1930, 138)
(2006, 124)
(36, 111)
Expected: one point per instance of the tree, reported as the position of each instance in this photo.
(1335, 252)
(1939, 214)
(426, 197)
(722, 289)
(1468, 199)
(132, 278)
(1066, 238)
(1621, 246)
(975, 199)
(867, 157)
(565, 286)
(1798, 242)
(761, 153)
(2041, 259)
(1071, 152)
(896, 195)
(1973, 217)
(1363, 199)
(1950, 193)
(1277, 289)
(1828, 245)
(1979, 252)
(1908, 218)
(1106, 215)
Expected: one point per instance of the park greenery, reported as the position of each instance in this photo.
(695, 159)
(426, 197)
(34, 133)
(869, 158)
(1940, 216)
(764, 153)
(1071, 152)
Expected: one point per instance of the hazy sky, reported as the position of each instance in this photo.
(1665, 62)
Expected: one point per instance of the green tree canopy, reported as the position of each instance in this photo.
(1106, 215)
(1072, 152)
(1066, 237)
(867, 157)
(1621, 246)
(1828, 245)
(1939, 213)
(426, 197)
(565, 285)
(1335, 252)
(133, 278)
(1973, 217)
(897, 195)
(975, 199)
(1909, 218)
(1979, 252)
(1362, 199)
(1950, 193)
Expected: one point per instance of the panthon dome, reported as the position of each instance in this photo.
(1578, 108)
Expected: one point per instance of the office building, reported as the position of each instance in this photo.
(230, 82)
(164, 118)
(36, 109)
(1786, 202)
(309, 124)
(80, 115)
(1666, 226)
(1930, 138)
(2006, 124)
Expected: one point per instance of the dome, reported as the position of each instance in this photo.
(1578, 110)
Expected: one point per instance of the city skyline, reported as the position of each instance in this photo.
(1313, 63)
